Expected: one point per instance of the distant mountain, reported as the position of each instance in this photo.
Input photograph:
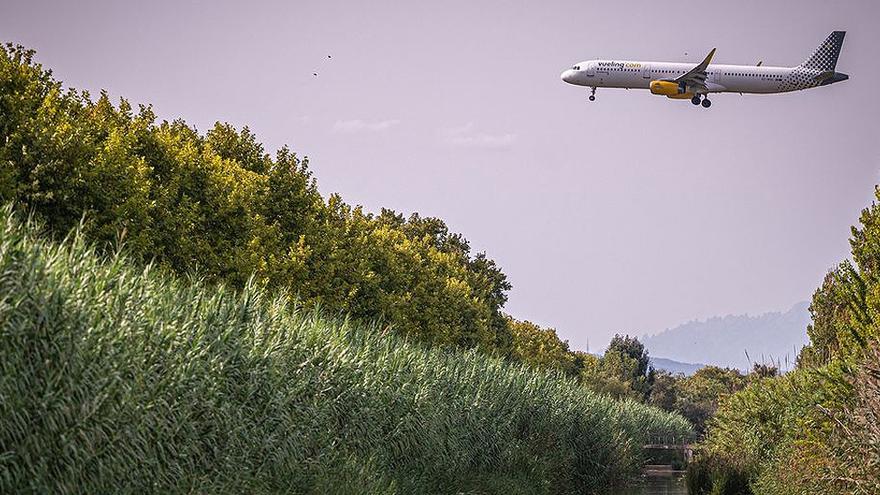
(724, 341)
(687, 369)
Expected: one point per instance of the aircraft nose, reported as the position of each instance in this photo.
(568, 76)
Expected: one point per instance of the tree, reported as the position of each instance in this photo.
(665, 390)
(632, 348)
(700, 394)
(627, 360)
(239, 146)
(622, 371)
(831, 311)
(540, 347)
(760, 371)
(218, 206)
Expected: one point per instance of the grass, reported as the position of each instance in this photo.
(122, 379)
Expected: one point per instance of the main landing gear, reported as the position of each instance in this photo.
(705, 101)
(593, 94)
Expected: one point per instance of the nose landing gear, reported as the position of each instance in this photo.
(593, 94)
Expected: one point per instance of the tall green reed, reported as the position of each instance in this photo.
(118, 379)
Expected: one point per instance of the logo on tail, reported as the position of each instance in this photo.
(825, 57)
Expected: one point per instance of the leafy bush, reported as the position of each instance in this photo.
(709, 474)
(699, 477)
(729, 481)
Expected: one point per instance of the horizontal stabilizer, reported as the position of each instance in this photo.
(833, 78)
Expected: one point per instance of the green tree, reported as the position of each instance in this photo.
(831, 311)
(665, 390)
(627, 360)
(240, 146)
(700, 394)
(219, 206)
(541, 347)
(761, 371)
(623, 371)
(631, 347)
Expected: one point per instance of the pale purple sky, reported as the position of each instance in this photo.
(630, 214)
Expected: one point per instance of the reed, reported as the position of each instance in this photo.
(123, 379)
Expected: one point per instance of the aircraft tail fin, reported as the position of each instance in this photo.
(825, 57)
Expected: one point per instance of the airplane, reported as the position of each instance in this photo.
(681, 81)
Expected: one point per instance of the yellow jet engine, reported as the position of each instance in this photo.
(670, 89)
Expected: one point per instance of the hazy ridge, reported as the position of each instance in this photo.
(725, 340)
(673, 366)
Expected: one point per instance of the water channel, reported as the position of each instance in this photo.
(655, 485)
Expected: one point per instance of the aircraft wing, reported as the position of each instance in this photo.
(696, 77)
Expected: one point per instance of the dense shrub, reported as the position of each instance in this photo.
(699, 477)
(709, 474)
(729, 481)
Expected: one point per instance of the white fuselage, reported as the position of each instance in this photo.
(720, 78)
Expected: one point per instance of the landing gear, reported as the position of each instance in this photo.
(593, 94)
(701, 99)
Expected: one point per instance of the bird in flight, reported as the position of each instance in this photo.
(315, 73)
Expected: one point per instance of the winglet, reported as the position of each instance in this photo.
(759, 63)
(697, 75)
(707, 61)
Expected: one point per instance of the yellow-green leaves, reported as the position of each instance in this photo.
(218, 206)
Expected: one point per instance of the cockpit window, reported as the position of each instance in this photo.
(577, 67)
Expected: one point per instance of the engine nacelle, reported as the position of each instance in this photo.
(683, 96)
(666, 88)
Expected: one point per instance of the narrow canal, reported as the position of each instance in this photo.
(655, 485)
